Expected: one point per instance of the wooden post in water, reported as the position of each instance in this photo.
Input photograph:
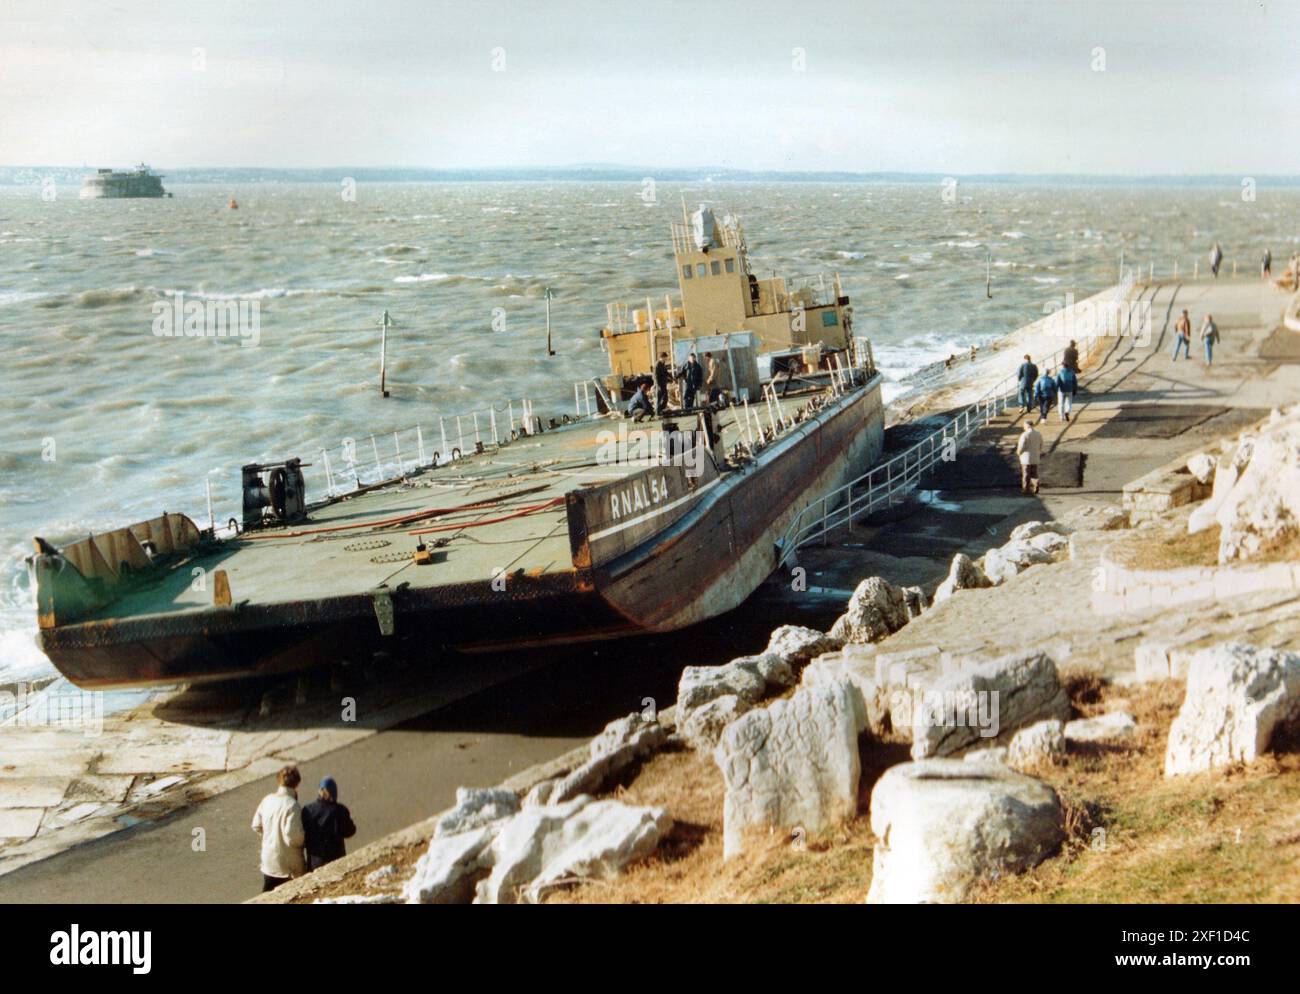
(383, 354)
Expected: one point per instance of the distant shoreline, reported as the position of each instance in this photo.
(30, 175)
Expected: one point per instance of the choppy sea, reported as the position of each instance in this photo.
(103, 422)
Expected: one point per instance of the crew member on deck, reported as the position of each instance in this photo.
(662, 375)
(693, 378)
(640, 407)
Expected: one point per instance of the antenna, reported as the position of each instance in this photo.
(988, 275)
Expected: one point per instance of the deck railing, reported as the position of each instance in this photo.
(892, 481)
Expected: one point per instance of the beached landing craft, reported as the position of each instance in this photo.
(556, 532)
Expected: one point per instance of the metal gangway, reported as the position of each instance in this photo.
(891, 482)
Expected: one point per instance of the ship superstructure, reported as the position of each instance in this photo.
(720, 294)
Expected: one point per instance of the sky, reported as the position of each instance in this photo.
(1134, 88)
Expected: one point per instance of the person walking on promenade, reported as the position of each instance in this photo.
(640, 405)
(1067, 382)
(278, 820)
(1183, 335)
(1071, 358)
(692, 379)
(711, 378)
(1209, 337)
(662, 376)
(1216, 259)
(1029, 448)
(1026, 376)
(1266, 265)
(326, 823)
(1045, 393)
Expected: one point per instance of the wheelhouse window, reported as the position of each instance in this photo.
(700, 270)
(686, 271)
(731, 265)
(716, 267)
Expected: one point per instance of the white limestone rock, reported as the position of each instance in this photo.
(700, 684)
(963, 574)
(1049, 542)
(980, 701)
(448, 870)
(630, 730)
(1205, 514)
(1037, 745)
(1237, 697)
(540, 793)
(1202, 466)
(944, 824)
(1109, 727)
(916, 601)
(792, 764)
(622, 743)
(991, 754)
(1096, 517)
(703, 727)
(856, 665)
(1264, 506)
(543, 847)
(1032, 529)
(796, 645)
(876, 609)
(1009, 560)
(476, 807)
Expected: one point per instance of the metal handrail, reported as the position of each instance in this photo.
(890, 482)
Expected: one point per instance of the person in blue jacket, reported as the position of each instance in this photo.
(326, 823)
(1026, 376)
(1067, 382)
(1045, 393)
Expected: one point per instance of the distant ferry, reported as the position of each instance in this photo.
(140, 182)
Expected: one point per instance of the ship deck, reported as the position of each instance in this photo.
(498, 512)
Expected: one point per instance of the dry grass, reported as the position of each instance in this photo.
(1176, 551)
(1133, 836)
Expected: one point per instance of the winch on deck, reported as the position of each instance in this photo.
(280, 499)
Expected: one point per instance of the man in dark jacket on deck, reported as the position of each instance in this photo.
(327, 823)
(693, 376)
(662, 375)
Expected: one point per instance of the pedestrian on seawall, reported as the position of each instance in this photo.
(1026, 376)
(326, 823)
(278, 820)
(1183, 335)
(1209, 337)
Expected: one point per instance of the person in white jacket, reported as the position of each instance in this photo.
(278, 820)
(1029, 448)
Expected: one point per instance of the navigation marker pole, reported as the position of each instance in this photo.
(548, 295)
(383, 353)
(988, 275)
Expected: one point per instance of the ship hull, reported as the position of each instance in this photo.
(720, 546)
